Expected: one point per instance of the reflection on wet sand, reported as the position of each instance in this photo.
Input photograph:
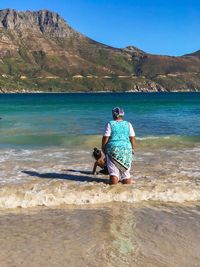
(105, 235)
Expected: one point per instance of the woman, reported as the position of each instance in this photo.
(118, 145)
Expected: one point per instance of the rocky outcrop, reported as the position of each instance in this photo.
(44, 21)
(134, 51)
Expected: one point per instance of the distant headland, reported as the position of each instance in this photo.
(40, 52)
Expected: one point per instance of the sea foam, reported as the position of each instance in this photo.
(55, 193)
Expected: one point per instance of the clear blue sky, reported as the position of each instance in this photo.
(169, 27)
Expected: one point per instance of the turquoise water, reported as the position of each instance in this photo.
(72, 119)
(46, 142)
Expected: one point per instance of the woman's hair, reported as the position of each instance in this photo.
(96, 153)
(117, 112)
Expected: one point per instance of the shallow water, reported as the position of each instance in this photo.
(55, 176)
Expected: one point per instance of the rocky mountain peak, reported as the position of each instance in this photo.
(136, 53)
(133, 50)
(45, 21)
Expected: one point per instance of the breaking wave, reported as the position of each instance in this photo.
(55, 193)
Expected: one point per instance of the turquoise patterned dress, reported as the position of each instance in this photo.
(119, 147)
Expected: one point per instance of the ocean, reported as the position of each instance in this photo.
(50, 201)
(63, 119)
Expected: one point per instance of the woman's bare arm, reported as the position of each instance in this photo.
(104, 142)
(132, 140)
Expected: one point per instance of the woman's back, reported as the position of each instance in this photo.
(120, 132)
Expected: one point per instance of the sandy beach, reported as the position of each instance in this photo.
(102, 235)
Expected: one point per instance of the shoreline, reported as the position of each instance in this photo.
(96, 92)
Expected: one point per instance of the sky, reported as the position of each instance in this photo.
(167, 27)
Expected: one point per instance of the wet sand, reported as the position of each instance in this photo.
(102, 235)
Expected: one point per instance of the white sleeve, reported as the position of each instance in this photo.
(132, 132)
(107, 130)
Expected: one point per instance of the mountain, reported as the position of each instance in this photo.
(195, 54)
(39, 51)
